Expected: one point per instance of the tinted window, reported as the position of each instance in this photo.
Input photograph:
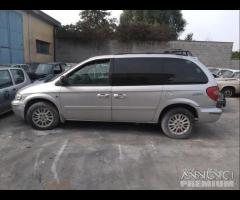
(180, 71)
(156, 71)
(18, 76)
(94, 73)
(5, 79)
(138, 71)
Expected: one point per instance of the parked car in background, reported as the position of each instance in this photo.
(11, 80)
(230, 86)
(214, 71)
(48, 70)
(70, 65)
(172, 90)
(226, 73)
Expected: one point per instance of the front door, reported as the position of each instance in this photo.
(6, 87)
(87, 96)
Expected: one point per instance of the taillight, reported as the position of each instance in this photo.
(213, 93)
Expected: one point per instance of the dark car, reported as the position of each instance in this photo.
(46, 71)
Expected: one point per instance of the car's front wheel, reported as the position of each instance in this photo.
(177, 123)
(43, 116)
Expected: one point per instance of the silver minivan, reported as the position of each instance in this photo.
(172, 90)
(11, 80)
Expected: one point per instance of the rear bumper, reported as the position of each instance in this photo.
(18, 109)
(207, 115)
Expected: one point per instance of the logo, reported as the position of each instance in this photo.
(210, 178)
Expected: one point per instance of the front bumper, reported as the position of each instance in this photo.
(18, 108)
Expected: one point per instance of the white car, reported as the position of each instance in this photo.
(230, 86)
(226, 73)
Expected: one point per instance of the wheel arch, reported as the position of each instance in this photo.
(178, 105)
(232, 87)
(35, 100)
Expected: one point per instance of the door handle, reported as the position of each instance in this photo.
(103, 95)
(119, 96)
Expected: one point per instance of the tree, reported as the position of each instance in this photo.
(94, 25)
(171, 18)
(189, 37)
(236, 55)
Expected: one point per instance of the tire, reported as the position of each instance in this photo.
(228, 92)
(169, 122)
(44, 113)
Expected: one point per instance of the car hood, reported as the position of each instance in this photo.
(40, 87)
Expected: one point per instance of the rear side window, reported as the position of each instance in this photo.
(18, 76)
(156, 71)
(180, 71)
(5, 79)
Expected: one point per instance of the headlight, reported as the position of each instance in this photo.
(18, 97)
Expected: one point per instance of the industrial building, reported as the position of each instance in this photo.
(27, 36)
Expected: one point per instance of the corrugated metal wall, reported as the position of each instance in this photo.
(11, 37)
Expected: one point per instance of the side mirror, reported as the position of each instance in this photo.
(63, 81)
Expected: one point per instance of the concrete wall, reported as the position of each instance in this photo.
(212, 54)
(33, 29)
(235, 64)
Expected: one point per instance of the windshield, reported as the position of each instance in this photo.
(44, 69)
(227, 74)
(236, 75)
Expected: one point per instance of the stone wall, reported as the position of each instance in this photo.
(235, 64)
(212, 54)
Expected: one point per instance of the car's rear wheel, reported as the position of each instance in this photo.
(177, 123)
(228, 92)
(43, 116)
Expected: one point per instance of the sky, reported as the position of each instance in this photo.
(206, 25)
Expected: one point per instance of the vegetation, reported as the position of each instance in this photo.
(135, 25)
(236, 55)
(189, 37)
(94, 25)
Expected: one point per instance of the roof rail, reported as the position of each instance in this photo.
(174, 52)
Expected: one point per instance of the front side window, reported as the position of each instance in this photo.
(5, 79)
(94, 73)
(18, 76)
